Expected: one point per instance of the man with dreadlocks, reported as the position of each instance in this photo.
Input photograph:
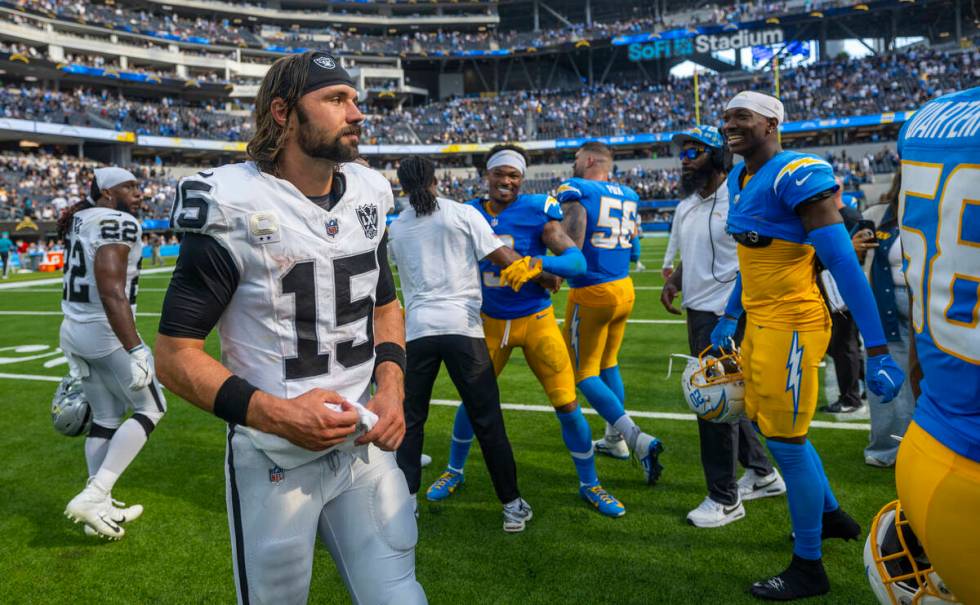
(442, 317)
(286, 254)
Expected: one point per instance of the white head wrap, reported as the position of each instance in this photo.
(762, 104)
(107, 178)
(507, 157)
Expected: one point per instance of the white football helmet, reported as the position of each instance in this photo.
(714, 387)
(70, 411)
(896, 564)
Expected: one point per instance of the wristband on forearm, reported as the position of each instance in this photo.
(390, 351)
(231, 402)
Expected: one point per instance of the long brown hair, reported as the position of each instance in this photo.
(285, 80)
(64, 221)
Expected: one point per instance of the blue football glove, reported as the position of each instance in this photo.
(884, 377)
(723, 336)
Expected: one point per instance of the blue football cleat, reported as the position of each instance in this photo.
(602, 501)
(651, 461)
(447, 484)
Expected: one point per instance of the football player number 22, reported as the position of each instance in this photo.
(621, 227)
(948, 299)
(300, 281)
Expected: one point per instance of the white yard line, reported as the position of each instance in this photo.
(521, 407)
(57, 280)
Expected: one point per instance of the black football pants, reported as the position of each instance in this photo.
(468, 363)
(723, 443)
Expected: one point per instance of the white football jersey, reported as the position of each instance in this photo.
(91, 229)
(303, 311)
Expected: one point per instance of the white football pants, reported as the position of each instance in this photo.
(362, 512)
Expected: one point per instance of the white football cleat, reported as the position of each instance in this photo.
(712, 514)
(93, 506)
(614, 449)
(425, 460)
(120, 513)
(516, 515)
(753, 486)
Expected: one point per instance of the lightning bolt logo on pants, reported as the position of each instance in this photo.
(575, 324)
(794, 372)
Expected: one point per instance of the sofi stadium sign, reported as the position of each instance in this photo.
(703, 44)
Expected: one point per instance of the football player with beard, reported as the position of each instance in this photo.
(600, 217)
(286, 254)
(706, 275)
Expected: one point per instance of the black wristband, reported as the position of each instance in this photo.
(390, 351)
(231, 402)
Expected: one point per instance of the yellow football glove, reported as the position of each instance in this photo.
(520, 271)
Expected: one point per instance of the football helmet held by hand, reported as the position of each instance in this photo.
(896, 564)
(70, 411)
(714, 387)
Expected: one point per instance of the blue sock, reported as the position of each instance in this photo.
(614, 381)
(578, 439)
(805, 491)
(602, 399)
(459, 449)
(830, 503)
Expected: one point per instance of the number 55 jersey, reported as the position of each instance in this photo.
(939, 210)
(290, 281)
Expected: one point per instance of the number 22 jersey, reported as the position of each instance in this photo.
(940, 230)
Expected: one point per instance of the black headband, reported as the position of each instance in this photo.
(325, 70)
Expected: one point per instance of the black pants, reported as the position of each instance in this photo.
(722, 443)
(5, 261)
(844, 349)
(470, 369)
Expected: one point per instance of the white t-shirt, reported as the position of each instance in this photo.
(438, 263)
(708, 255)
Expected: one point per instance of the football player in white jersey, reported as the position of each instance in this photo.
(99, 337)
(286, 254)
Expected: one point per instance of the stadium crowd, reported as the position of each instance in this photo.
(840, 87)
(240, 33)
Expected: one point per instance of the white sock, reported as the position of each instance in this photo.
(612, 435)
(95, 449)
(629, 430)
(125, 444)
(514, 504)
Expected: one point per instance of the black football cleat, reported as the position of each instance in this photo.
(837, 524)
(803, 578)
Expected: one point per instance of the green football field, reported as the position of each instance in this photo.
(179, 551)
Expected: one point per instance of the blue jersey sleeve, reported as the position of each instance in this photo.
(569, 191)
(552, 209)
(803, 178)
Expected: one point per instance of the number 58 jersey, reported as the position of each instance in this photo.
(91, 229)
(291, 285)
(939, 214)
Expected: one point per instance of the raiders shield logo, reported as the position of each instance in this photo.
(368, 217)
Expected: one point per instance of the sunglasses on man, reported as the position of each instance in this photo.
(692, 152)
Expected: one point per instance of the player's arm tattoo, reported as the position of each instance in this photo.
(554, 237)
(111, 264)
(574, 222)
(503, 256)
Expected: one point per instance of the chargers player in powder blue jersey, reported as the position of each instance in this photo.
(938, 467)
(531, 225)
(782, 214)
(600, 217)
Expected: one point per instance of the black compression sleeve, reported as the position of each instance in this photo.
(385, 292)
(202, 286)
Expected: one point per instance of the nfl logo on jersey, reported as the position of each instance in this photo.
(333, 227)
(276, 475)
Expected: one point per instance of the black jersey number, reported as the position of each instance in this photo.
(300, 281)
(73, 292)
(112, 230)
(190, 209)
